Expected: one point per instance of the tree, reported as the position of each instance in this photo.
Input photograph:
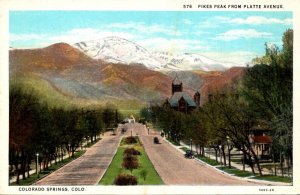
(24, 107)
(231, 118)
(144, 173)
(109, 116)
(130, 162)
(268, 88)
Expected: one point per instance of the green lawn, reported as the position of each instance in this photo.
(43, 173)
(241, 173)
(274, 178)
(208, 160)
(235, 171)
(115, 168)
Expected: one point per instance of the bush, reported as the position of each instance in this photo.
(125, 179)
(131, 151)
(130, 162)
(130, 140)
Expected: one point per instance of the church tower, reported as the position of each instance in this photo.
(197, 99)
(176, 85)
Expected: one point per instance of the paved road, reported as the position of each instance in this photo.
(173, 168)
(170, 164)
(87, 169)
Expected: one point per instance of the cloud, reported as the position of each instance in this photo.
(87, 34)
(259, 20)
(141, 27)
(187, 21)
(240, 58)
(71, 37)
(172, 45)
(217, 21)
(26, 37)
(241, 34)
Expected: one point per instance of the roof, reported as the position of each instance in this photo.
(173, 101)
(176, 81)
(262, 139)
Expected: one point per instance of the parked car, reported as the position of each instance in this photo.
(155, 140)
(189, 154)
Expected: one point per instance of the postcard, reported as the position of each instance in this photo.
(160, 97)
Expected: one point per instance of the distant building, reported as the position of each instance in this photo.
(131, 119)
(180, 100)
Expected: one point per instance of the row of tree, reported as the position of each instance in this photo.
(263, 96)
(37, 128)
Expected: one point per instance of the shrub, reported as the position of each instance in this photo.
(130, 162)
(125, 179)
(144, 174)
(130, 140)
(131, 151)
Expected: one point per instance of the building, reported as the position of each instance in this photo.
(181, 100)
(261, 142)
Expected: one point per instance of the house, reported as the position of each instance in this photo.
(261, 142)
(180, 100)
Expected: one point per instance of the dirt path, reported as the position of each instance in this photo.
(87, 169)
(173, 168)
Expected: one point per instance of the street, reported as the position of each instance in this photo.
(175, 169)
(87, 169)
(170, 164)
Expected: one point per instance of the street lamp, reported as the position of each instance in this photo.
(175, 136)
(220, 156)
(69, 148)
(37, 165)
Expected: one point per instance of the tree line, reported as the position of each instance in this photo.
(263, 97)
(37, 128)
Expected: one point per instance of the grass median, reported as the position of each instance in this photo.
(145, 174)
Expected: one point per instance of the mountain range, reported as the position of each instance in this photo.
(119, 50)
(87, 75)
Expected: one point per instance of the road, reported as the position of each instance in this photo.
(174, 169)
(170, 164)
(87, 169)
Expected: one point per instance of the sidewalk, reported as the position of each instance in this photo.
(66, 156)
(238, 166)
(234, 164)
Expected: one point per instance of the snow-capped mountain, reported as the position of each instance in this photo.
(119, 50)
(191, 61)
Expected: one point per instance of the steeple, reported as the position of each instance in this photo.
(197, 99)
(176, 85)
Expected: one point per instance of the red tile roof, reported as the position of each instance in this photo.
(262, 139)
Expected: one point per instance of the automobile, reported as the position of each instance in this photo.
(155, 140)
(123, 130)
(189, 154)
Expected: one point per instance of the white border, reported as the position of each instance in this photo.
(153, 5)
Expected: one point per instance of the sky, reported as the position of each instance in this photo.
(226, 36)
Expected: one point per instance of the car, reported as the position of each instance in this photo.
(155, 140)
(189, 154)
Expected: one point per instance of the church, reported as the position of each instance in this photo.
(182, 101)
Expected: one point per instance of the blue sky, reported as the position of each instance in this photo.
(228, 36)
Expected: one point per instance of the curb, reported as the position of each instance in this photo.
(115, 152)
(232, 175)
(56, 169)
